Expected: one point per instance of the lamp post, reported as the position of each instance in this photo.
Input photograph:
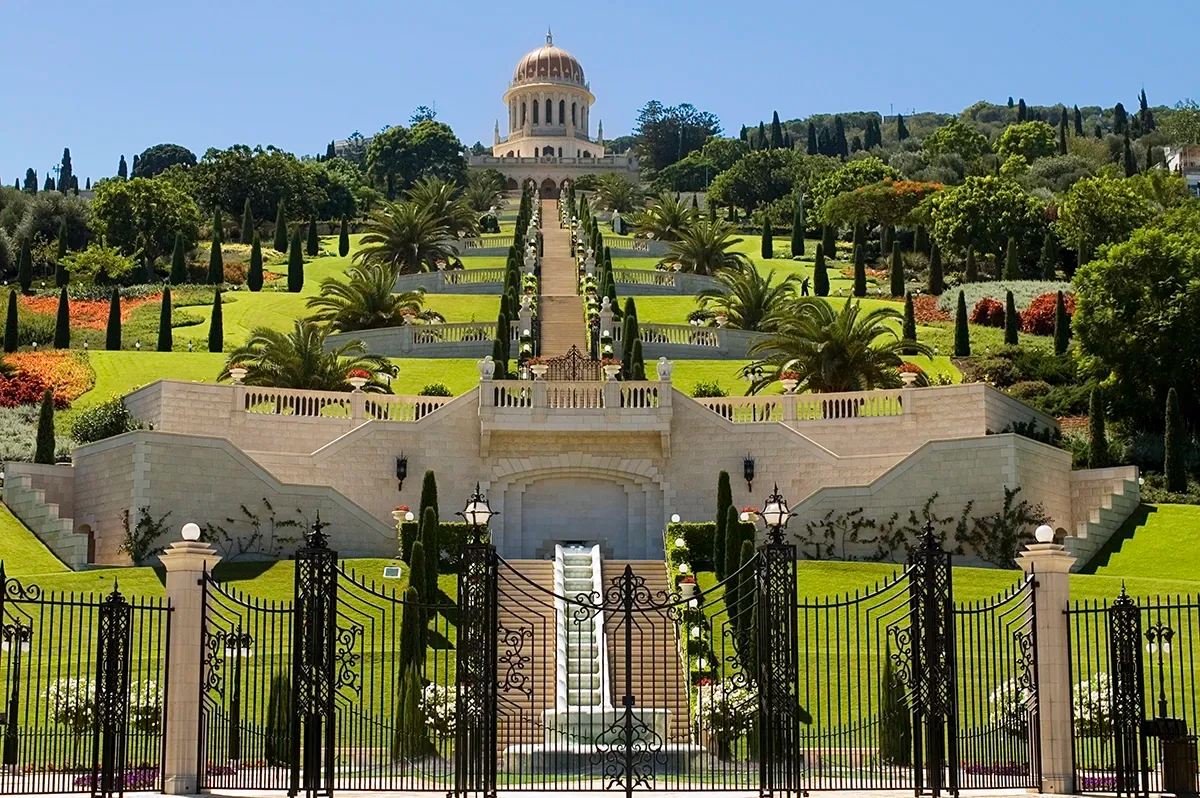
(237, 646)
(477, 513)
(1158, 641)
(16, 637)
(775, 515)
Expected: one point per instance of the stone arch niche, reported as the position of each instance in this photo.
(616, 503)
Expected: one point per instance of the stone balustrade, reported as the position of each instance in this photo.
(448, 340)
(689, 342)
(296, 403)
(454, 281)
(656, 282)
(808, 407)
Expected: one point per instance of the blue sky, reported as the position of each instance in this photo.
(112, 78)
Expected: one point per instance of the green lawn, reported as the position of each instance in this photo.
(1155, 540)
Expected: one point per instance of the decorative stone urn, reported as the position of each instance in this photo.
(539, 370)
(612, 371)
(789, 384)
(357, 383)
(238, 374)
(908, 378)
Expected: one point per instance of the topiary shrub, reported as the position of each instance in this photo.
(103, 421)
(697, 541)
(988, 313)
(435, 389)
(1038, 319)
(707, 390)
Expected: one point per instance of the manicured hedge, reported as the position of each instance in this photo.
(699, 539)
(452, 536)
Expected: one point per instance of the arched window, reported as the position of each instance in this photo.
(574, 121)
(587, 154)
(547, 151)
(560, 152)
(522, 114)
(535, 112)
(549, 111)
(562, 112)
(509, 155)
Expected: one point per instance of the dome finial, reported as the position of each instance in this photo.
(549, 36)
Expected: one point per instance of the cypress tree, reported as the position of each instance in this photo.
(762, 141)
(744, 605)
(829, 241)
(412, 640)
(724, 503)
(937, 282)
(1012, 321)
(860, 272)
(920, 239)
(962, 338)
(88, 187)
(134, 169)
(409, 741)
(776, 132)
(254, 277)
(733, 545)
(768, 243)
(1062, 325)
(10, 323)
(798, 227)
(1097, 440)
(141, 270)
(49, 184)
(909, 329)
(216, 325)
(313, 246)
(1173, 464)
(839, 137)
(1128, 159)
(1048, 262)
(61, 276)
(112, 335)
(122, 169)
(216, 264)
(66, 176)
(179, 272)
(811, 147)
(895, 721)
(62, 322)
(897, 271)
(295, 277)
(971, 274)
(166, 340)
(25, 268)
(885, 239)
(820, 273)
(901, 128)
(1022, 111)
(500, 359)
(278, 743)
(44, 453)
(1012, 268)
(429, 541)
(281, 236)
(1062, 133)
(1078, 123)
(637, 366)
(247, 223)
(344, 238)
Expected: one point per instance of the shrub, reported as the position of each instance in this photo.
(103, 421)
(25, 389)
(1024, 292)
(698, 541)
(435, 389)
(18, 432)
(988, 313)
(1010, 365)
(1038, 319)
(1029, 390)
(705, 390)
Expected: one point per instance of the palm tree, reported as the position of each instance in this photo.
(616, 192)
(406, 237)
(299, 360)
(704, 247)
(483, 190)
(441, 198)
(831, 351)
(749, 300)
(665, 219)
(366, 302)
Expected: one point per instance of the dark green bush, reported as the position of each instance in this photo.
(452, 536)
(699, 540)
(702, 390)
(435, 389)
(103, 421)
(1030, 390)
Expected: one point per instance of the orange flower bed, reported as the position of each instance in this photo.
(88, 314)
(66, 373)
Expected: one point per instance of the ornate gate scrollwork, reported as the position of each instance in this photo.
(574, 366)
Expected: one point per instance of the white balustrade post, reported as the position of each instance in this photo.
(789, 405)
(406, 338)
(1050, 564)
(358, 406)
(525, 315)
(239, 397)
(606, 317)
(184, 562)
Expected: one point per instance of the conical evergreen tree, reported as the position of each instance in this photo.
(1012, 267)
(412, 636)
(776, 132)
(1012, 320)
(166, 339)
(62, 321)
(25, 268)
(895, 721)
(768, 243)
(724, 503)
(1174, 467)
(1048, 262)
(860, 272)
(1127, 158)
(798, 227)
(313, 245)
(637, 366)
(733, 546)
(1097, 439)
(247, 224)
(281, 236)
(430, 541)
(971, 273)
(1062, 325)
(909, 328)
(344, 238)
(901, 128)
(254, 276)
(500, 359)
(179, 272)
(920, 239)
(44, 451)
(122, 169)
(295, 277)
(61, 277)
(216, 264)
(962, 337)
(897, 270)
(216, 325)
(820, 273)
(278, 742)
(829, 241)
(811, 146)
(10, 324)
(937, 283)
(112, 334)
(1078, 123)
(1062, 133)
(886, 234)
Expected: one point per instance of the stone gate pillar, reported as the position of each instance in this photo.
(1050, 564)
(185, 562)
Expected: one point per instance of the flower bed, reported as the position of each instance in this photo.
(988, 313)
(1038, 318)
(1024, 292)
(68, 374)
(926, 310)
(87, 314)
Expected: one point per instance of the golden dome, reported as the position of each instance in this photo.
(548, 64)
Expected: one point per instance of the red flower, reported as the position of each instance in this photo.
(358, 374)
(909, 368)
(988, 312)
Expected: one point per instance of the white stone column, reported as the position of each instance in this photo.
(1050, 564)
(606, 318)
(185, 562)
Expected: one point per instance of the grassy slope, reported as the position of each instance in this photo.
(1156, 541)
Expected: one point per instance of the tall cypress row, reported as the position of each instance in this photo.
(1012, 320)
(216, 264)
(10, 323)
(62, 321)
(166, 341)
(295, 277)
(216, 325)
(247, 223)
(1062, 325)
(937, 283)
(897, 271)
(798, 226)
(820, 273)
(1174, 467)
(281, 236)
(344, 238)
(962, 337)
(179, 272)
(313, 245)
(254, 277)
(112, 334)
(724, 502)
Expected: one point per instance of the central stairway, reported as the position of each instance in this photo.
(559, 307)
(585, 671)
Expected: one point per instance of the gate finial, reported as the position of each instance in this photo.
(316, 538)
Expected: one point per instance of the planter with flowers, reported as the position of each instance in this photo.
(611, 366)
(357, 379)
(538, 367)
(238, 373)
(402, 513)
(789, 380)
(910, 373)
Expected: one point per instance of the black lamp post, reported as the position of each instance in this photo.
(775, 514)
(477, 513)
(237, 646)
(1158, 640)
(16, 637)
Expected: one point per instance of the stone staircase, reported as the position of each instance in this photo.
(559, 306)
(1112, 500)
(583, 671)
(42, 517)
(527, 630)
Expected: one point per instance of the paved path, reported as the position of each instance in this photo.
(560, 307)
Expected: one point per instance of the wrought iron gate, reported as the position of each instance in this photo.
(84, 685)
(574, 366)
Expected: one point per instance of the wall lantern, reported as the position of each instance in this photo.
(401, 470)
(748, 471)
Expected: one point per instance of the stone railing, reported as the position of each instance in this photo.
(486, 241)
(635, 247)
(658, 282)
(451, 339)
(808, 407)
(453, 281)
(687, 342)
(296, 403)
(470, 276)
